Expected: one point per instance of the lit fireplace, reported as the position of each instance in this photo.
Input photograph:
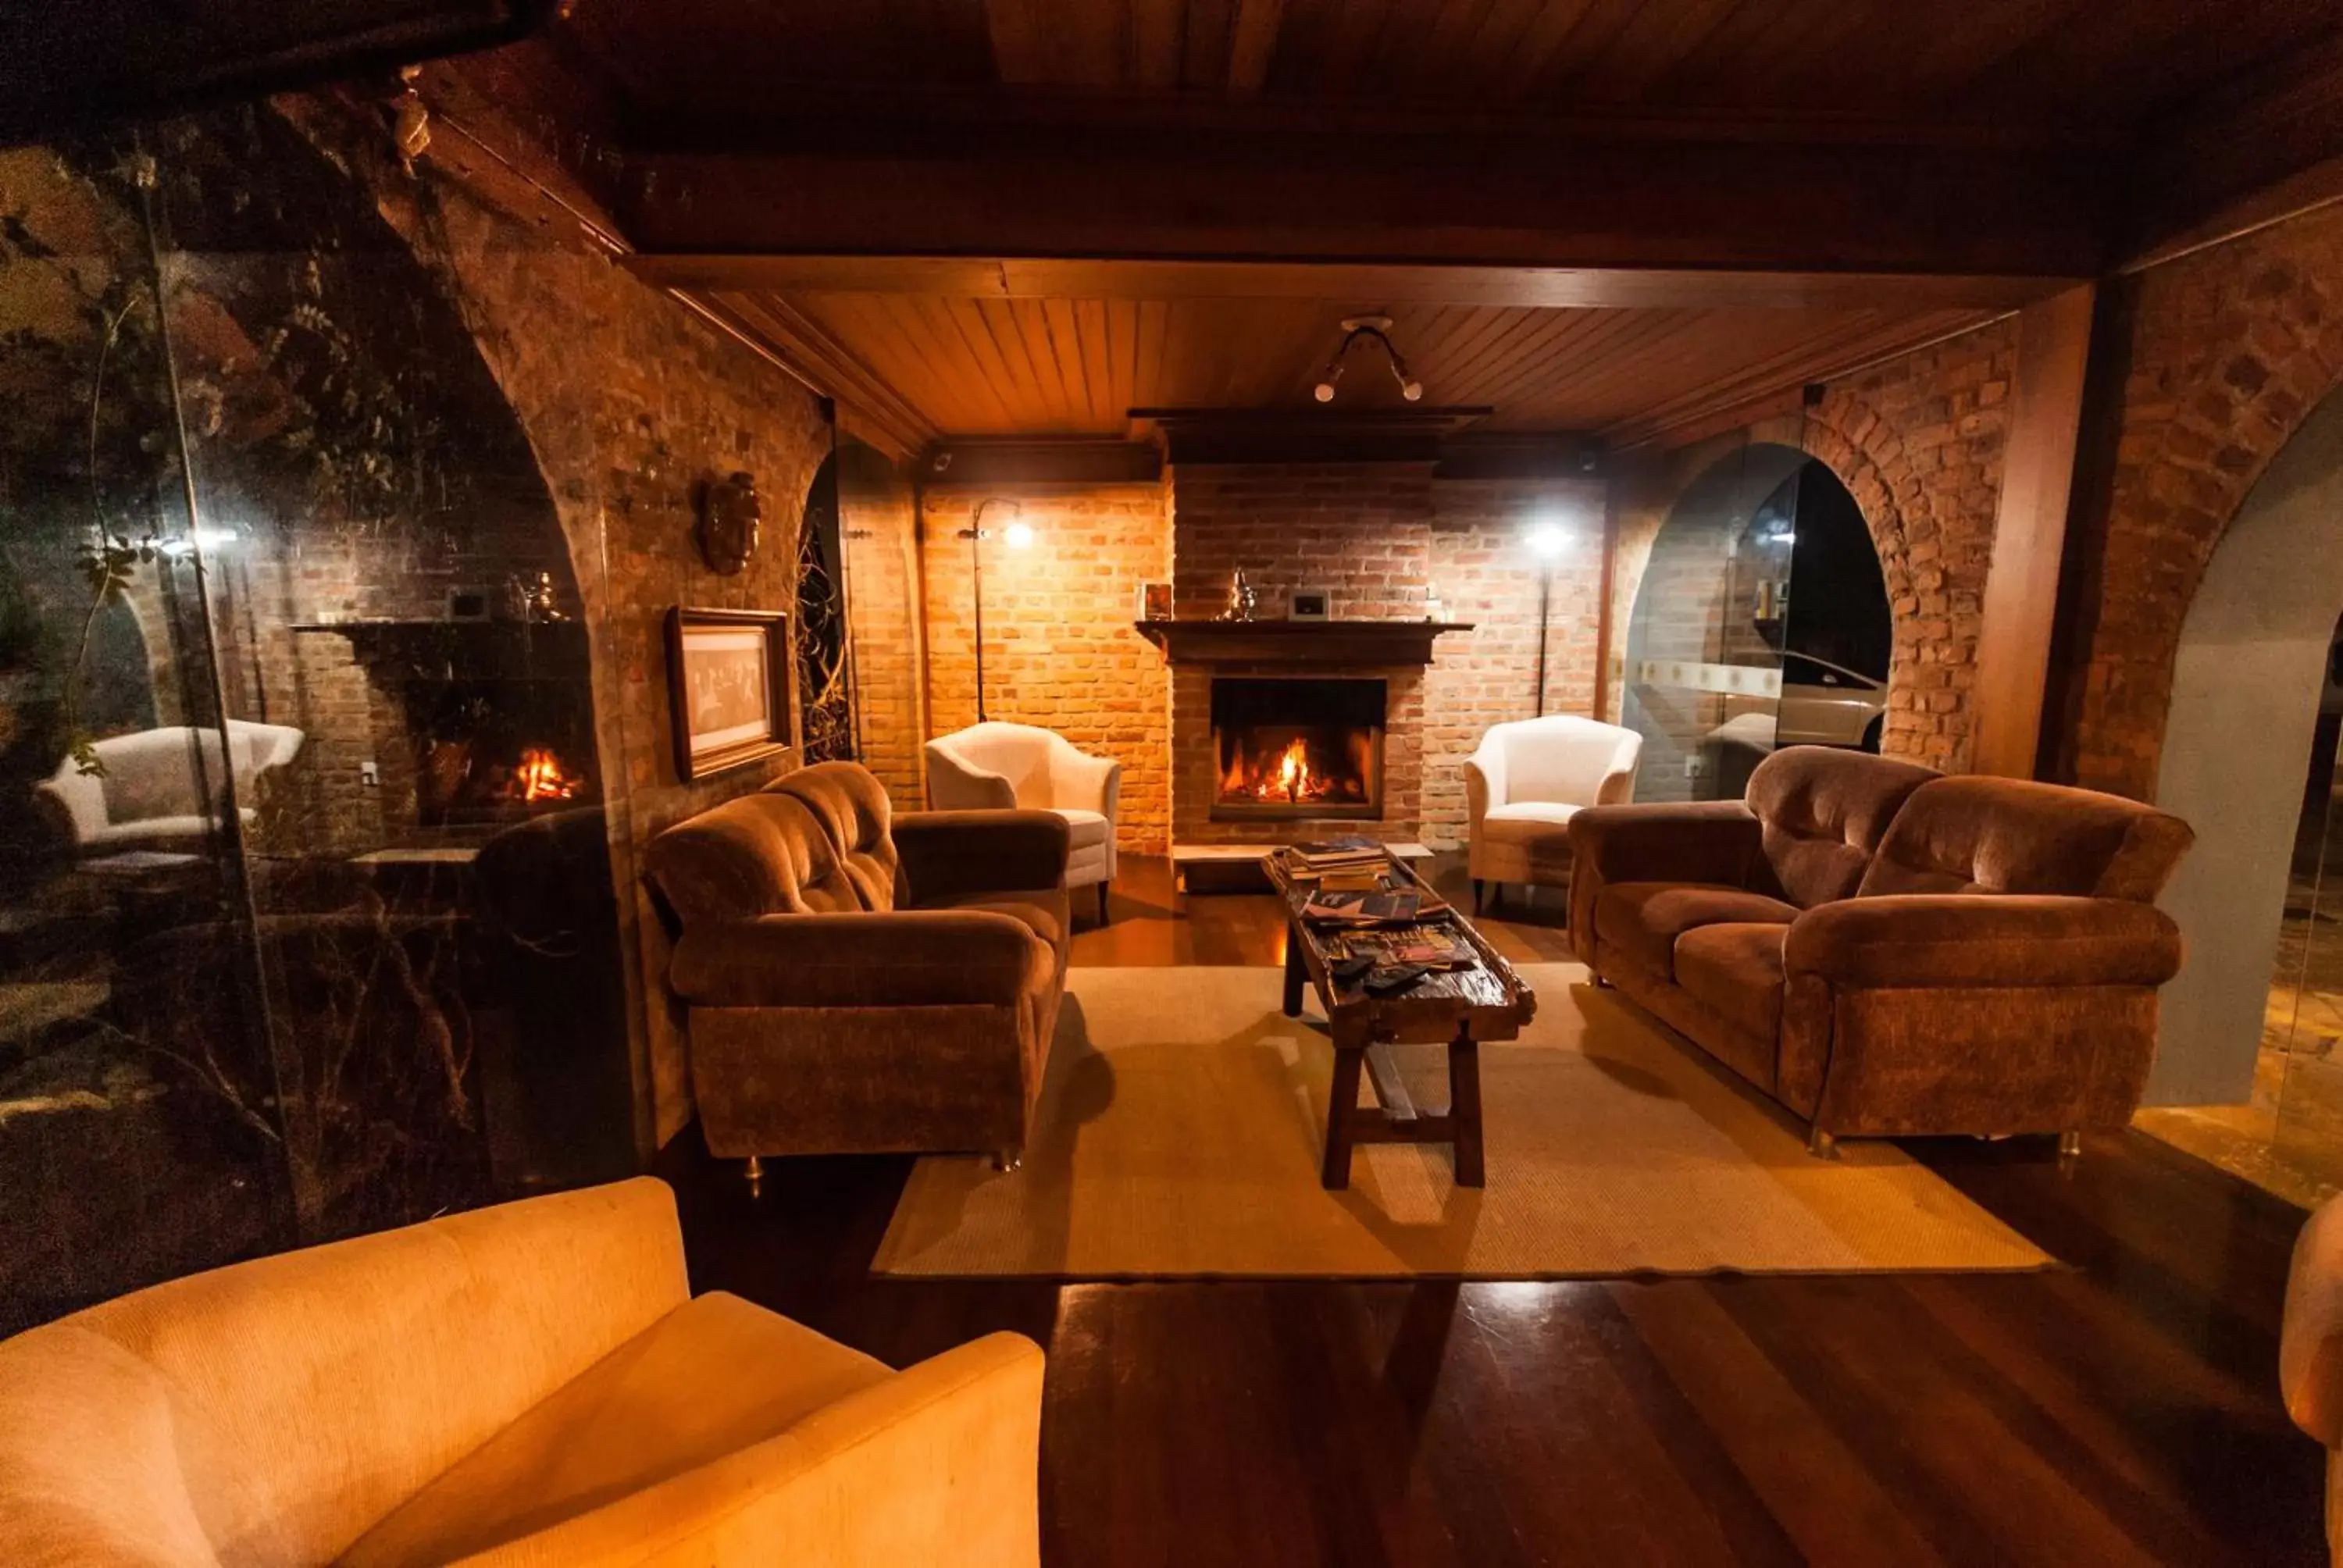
(493, 751)
(1299, 749)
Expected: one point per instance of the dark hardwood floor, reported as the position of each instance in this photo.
(2120, 1410)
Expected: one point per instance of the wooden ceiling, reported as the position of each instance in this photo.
(1026, 218)
(1072, 367)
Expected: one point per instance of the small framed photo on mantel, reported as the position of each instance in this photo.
(1310, 604)
(729, 676)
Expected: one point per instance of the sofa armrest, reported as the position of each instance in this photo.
(957, 784)
(1908, 941)
(950, 854)
(938, 1465)
(2310, 1342)
(906, 958)
(1699, 841)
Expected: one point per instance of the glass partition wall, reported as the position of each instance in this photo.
(1724, 661)
(307, 921)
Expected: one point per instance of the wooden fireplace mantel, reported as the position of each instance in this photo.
(1368, 642)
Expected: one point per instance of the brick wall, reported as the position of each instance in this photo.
(1381, 536)
(1918, 443)
(2217, 360)
(1060, 649)
(628, 400)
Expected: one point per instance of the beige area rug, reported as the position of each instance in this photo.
(1183, 1118)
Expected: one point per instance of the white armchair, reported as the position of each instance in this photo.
(147, 797)
(1526, 782)
(1006, 767)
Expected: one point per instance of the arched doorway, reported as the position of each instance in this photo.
(1761, 619)
(2251, 675)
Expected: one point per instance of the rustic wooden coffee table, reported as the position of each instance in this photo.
(1456, 1008)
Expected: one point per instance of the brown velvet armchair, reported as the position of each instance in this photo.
(859, 982)
(1886, 951)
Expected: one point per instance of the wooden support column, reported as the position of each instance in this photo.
(2029, 536)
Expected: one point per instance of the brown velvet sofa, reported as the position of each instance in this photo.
(859, 982)
(1888, 951)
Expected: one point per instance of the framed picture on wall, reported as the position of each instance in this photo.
(729, 686)
(1155, 601)
(1310, 604)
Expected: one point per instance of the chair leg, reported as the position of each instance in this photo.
(752, 1170)
(1822, 1145)
(2070, 1144)
(1477, 886)
(1101, 902)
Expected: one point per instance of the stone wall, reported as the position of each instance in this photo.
(2210, 363)
(1060, 649)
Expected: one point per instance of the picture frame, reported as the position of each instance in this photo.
(1310, 604)
(1154, 601)
(731, 687)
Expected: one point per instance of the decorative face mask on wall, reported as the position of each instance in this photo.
(730, 520)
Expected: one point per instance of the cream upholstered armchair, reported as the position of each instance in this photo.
(995, 767)
(1523, 785)
(527, 1386)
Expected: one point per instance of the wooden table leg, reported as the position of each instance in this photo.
(1341, 1106)
(1464, 1107)
(1297, 973)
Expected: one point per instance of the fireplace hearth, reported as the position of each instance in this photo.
(1298, 748)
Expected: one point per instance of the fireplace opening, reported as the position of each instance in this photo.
(1298, 748)
(500, 750)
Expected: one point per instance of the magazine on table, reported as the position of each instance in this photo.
(1340, 908)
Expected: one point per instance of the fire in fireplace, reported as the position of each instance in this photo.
(1298, 747)
(497, 750)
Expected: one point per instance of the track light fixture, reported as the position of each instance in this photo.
(1379, 328)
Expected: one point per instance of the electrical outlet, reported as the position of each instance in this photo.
(1695, 766)
(370, 774)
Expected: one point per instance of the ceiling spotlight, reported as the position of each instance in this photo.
(1379, 328)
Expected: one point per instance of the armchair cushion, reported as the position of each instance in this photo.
(762, 854)
(1043, 911)
(948, 856)
(1643, 919)
(852, 805)
(711, 1379)
(906, 958)
(1736, 969)
(1979, 835)
(1964, 940)
(1823, 812)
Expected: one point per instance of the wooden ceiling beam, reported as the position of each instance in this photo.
(874, 409)
(1355, 283)
(1287, 190)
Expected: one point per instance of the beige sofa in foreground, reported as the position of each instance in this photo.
(529, 1385)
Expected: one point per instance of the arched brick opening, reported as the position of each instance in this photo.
(2209, 403)
(1934, 559)
(2248, 671)
(1691, 606)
